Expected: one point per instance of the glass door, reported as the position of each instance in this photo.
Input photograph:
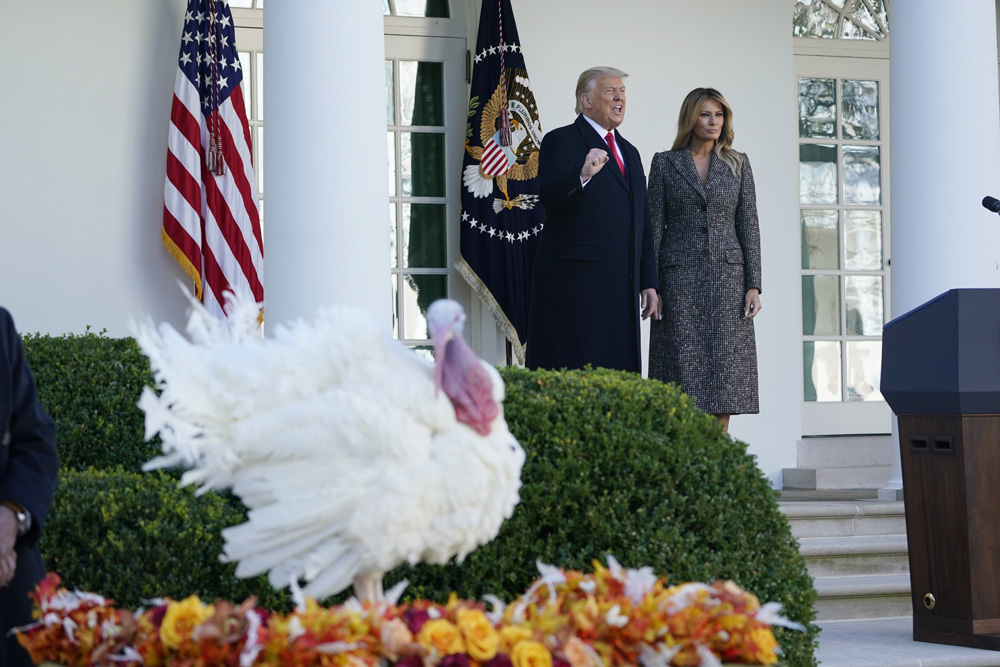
(844, 232)
(425, 134)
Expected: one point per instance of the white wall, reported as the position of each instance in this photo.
(744, 49)
(87, 90)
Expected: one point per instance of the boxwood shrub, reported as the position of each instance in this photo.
(615, 465)
(630, 467)
(137, 536)
(90, 384)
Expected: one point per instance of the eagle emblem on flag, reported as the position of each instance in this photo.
(499, 158)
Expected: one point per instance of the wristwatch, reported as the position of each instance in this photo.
(23, 519)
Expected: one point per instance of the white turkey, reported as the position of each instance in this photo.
(352, 453)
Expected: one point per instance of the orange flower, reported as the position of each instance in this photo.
(580, 655)
(181, 619)
(481, 639)
(531, 654)
(511, 636)
(442, 636)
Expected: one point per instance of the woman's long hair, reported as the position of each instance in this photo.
(688, 117)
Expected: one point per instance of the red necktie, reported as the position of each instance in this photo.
(611, 147)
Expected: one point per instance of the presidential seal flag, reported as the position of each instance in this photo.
(501, 216)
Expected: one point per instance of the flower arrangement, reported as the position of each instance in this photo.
(614, 617)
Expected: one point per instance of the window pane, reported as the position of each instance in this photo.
(820, 240)
(241, 3)
(862, 175)
(385, 7)
(422, 168)
(864, 370)
(817, 174)
(879, 7)
(424, 242)
(820, 305)
(821, 364)
(259, 164)
(395, 305)
(864, 17)
(391, 142)
(863, 240)
(421, 92)
(244, 57)
(259, 77)
(390, 95)
(812, 18)
(428, 8)
(419, 292)
(817, 108)
(860, 103)
(392, 236)
(854, 31)
(863, 296)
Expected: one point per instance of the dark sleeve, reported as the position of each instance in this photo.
(31, 465)
(559, 163)
(652, 233)
(747, 227)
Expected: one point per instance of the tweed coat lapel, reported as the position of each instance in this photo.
(684, 163)
(716, 169)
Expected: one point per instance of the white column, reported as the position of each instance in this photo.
(945, 152)
(326, 228)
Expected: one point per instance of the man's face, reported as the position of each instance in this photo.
(605, 104)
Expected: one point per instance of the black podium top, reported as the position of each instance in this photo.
(943, 357)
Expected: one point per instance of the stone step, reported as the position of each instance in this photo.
(841, 519)
(877, 450)
(841, 477)
(870, 596)
(855, 555)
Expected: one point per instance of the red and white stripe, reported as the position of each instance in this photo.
(210, 222)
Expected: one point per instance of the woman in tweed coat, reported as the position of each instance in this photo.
(704, 217)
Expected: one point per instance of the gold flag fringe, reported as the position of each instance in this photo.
(193, 273)
(484, 294)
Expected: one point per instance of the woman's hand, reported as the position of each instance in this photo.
(752, 304)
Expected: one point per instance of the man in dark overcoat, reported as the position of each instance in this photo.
(594, 270)
(29, 466)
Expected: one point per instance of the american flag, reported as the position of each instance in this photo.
(210, 221)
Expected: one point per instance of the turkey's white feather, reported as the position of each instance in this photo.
(334, 437)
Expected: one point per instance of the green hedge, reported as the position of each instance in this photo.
(615, 465)
(137, 536)
(90, 384)
(629, 467)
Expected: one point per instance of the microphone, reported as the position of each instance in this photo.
(992, 204)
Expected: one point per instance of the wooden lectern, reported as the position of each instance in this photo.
(941, 376)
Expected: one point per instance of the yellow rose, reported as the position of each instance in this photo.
(580, 655)
(764, 643)
(442, 636)
(530, 653)
(180, 620)
(511, 636)
(481, 638)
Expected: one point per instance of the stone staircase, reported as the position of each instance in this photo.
(854, 545)
(851, 462)
(856, 552)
